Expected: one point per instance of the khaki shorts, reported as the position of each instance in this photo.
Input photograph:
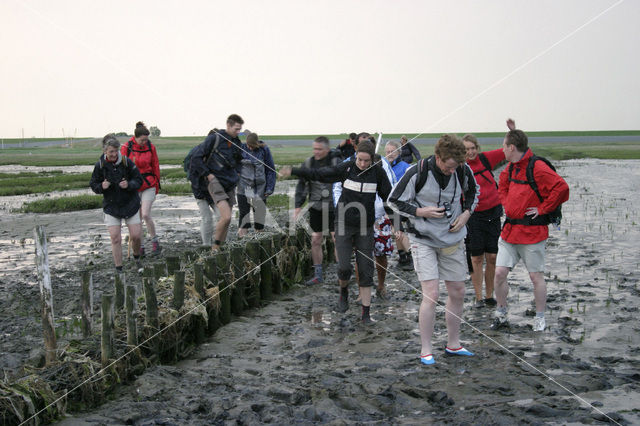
(114, 221)
(148, 194)
(218, 193)
(531, 254)
(431, 263)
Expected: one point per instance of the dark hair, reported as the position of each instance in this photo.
(323, 140)
(110, 139)
(253, 141)
(141, 130)
(234, 119)
(449, 146)
(353, 136)
(365, 135)
(366, 146)
(471, 138)
(213, 131)
(518, 138)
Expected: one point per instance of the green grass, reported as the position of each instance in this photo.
(63, 204)
(278, 201)
(31, 183)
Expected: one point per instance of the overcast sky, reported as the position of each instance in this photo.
(313, 67)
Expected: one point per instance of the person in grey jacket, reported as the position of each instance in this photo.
(257, 182)
(439, 195)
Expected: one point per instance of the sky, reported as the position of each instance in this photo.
(87, 68)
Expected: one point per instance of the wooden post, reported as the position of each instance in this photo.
(46, 294)
(152, 312)
(253, 290)
(210, 269)
(276, 282)
(107, 329)
(173, 264)
(198, 278)
(159, 270)
(222, 262)
(178, 289)
(266, 251)
(237, 295)
(148, 271)
(119, 290)
(87, 302)
(132, 329)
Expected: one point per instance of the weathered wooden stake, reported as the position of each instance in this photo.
(276, 282)
(253, 291)
(222, 262)
(198, 278)
(46, 294)
(159, 270)
(266, 251)
(107, 329)
(210, 270)
(178, 289)
(173, 264)
(87, 302)
(237, 295)
(152, 312)
(131, 314)
(119, 290)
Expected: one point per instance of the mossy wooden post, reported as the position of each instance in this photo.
(253, 291)
(276, 282)
(159, 270)
(178, 289)
(266, 251)
(210, 271)
(198, 278)
(222, 262)
(87, 302)
(106, 346)
(237, 294)
(46, 294)
(152, 313)
(304, 252)
(173, 264)
(120, 284)
(130, 309)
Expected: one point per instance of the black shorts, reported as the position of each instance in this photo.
(483, 234)
(315, 221)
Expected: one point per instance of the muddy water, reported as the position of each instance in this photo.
(297, 360)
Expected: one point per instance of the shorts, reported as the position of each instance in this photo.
(383, 243)
(218, 193)
(439, 263)
(483, 235)
(148, 194)
(531, 254)
(316, 223)
(116, 221)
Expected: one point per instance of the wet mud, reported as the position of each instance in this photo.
(297, 360)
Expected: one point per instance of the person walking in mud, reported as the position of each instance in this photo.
(484, 225)
(526, 229)
(257, 182)
(143, 153)
(215, 165)
(409, 151)
(321, 208)
(354, 217)
(118, 180)
(439, 194)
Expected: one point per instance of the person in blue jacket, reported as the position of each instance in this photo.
(257, 182)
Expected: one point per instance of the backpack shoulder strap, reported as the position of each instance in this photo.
(485, 162)
(531, 179)
(423, 173)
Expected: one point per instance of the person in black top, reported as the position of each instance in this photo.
(361, 181)
(408, 151)
(348, 146)
(118, 180)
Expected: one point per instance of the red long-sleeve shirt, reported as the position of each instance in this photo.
(489, 197)
(517, 197)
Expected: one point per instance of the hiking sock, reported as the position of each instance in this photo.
(502, 309)
(344, 292)
(318, 271)
(539, 314)
(119, 268)
(365, 311)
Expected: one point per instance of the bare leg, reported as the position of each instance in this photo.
(427, 314)
(365, 295)
(135, 237)
(476, 276)
(145, 214)
(222, 227)
(316, 248)
(502, 289)
(539, 290)
(453, 315)
(489, 273)
(116, 244)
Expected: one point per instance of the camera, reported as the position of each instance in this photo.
(447, 209)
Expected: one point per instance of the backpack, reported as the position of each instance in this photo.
(487, 168)
(555, 217)
(186, 163)
(148, 148)
(422, 175)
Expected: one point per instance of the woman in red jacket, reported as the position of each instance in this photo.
(144, 155)
(484, 225)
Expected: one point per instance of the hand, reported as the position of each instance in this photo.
(532, 211)
(267, 194)
(209, 177)
(123, 184)
(460, 221)
(106, 184)
(511, 124)
(433, 212)
(296, 213)
(285, 171)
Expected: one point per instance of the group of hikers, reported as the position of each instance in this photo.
(444, 211)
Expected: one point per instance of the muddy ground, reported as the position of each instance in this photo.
(298, 361)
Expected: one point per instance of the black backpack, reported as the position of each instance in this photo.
(487, 168)
(423, 174)
(186, 163)
(555, 217)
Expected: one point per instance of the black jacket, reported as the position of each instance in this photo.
(224, 163)
(359, 188)
(409, 151)
(117, 202)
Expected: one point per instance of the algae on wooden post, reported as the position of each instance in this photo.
(173, 264)
(252, 290)
(198, 278)
(222, 262)
(107, 329)
(46, 294)
(266, 251)
(237, 293)
(120, 283)
(151, 303)
(178, 289)
(130, 308)
(87, 302)
(159, 270)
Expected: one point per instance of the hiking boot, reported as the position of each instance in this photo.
(491, 302)
(141, 250)
(407, 265)
(155, 247)
(366, 320)
(539, 324)
(479, 304)
(313, 281)
(343, 304)
(500, 320)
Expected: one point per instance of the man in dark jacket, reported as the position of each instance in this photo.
(118, 180)
(215, 165)
(408, 151)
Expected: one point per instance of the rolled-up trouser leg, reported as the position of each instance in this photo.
(206, 225)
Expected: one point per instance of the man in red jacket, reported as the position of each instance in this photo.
(520, 239)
